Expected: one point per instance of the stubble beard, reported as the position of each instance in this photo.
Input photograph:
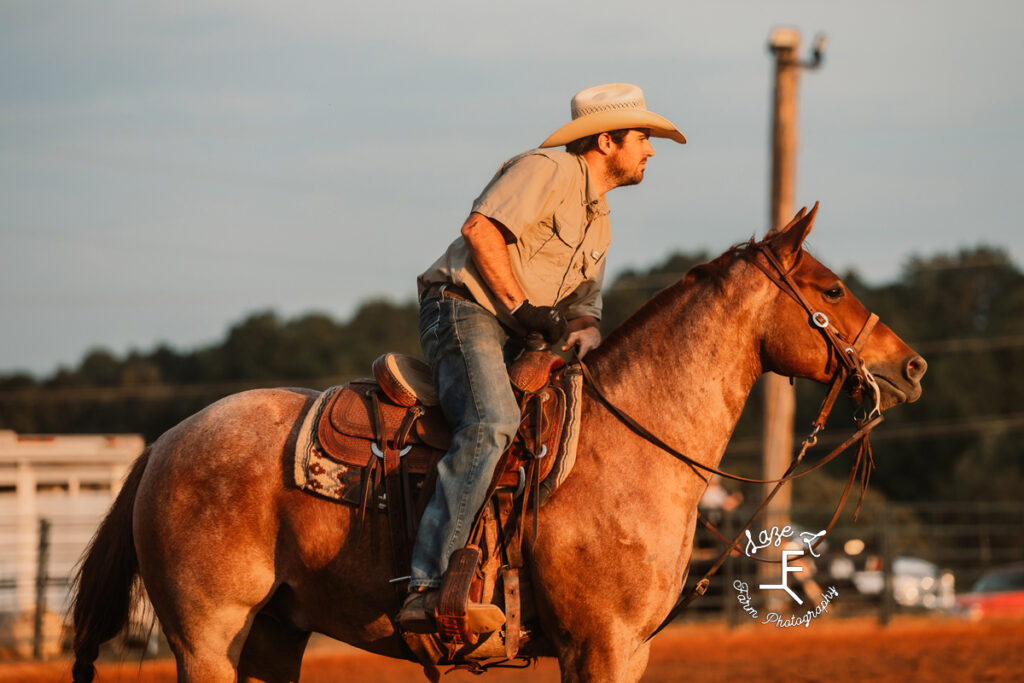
(621, 176)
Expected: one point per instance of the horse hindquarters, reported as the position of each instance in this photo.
(207, 526)
(103, 585)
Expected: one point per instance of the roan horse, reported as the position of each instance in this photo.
(241, 566)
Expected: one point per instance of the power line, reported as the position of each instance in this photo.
(962, 345)
(158, 392)
(980, 424)
(970, 344)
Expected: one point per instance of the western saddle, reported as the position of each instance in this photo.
(389, 432)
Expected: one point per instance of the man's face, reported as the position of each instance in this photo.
(626, 162)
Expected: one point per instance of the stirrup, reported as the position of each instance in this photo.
(459, 620)
(419, 615)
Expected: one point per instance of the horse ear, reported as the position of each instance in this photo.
(776, 230)
(788, 241)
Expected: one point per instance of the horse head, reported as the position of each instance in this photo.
(795, 341)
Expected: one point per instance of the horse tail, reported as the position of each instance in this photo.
(103, 584)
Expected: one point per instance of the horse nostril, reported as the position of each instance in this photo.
(915, 368)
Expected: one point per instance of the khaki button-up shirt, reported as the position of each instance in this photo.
(561, 230)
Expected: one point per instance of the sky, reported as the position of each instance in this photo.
(168, 168)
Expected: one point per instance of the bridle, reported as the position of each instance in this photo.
(850, 372)
(851, 368)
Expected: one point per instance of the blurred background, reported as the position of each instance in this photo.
(200, 198)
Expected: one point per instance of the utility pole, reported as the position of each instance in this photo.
(779, 395)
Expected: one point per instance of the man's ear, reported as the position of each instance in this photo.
(787, 242)
(605, 144)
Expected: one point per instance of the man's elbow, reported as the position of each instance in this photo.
(479, 229)
(472, 226)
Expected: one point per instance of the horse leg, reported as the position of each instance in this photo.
(273, 651)
(207, 645)
(638, 662)
(607, 659)
(207, 562)
(205, 594)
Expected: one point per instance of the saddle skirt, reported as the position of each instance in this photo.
(351, 424)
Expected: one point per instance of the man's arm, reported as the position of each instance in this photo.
(486, 240)
(487, 245)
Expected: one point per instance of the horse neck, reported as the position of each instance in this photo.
(683, 368)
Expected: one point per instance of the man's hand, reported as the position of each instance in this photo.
(584, 335)
(547, 320)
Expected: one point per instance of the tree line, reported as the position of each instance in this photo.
(964, 312)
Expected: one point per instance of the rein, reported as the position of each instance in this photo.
(850, 369)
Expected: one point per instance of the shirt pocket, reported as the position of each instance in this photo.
(592, 261)
(569, 223)
(541, 244)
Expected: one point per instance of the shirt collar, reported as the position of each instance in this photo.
(596, 204)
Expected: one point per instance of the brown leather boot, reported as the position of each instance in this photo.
(418, 610)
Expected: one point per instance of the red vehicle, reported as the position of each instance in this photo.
(999, 593)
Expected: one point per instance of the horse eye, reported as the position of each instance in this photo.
(834, 293)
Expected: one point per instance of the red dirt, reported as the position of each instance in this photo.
(908, 649)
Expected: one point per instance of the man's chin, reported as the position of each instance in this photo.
(621, 179)
(633, 179)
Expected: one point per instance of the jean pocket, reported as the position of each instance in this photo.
(430, 319)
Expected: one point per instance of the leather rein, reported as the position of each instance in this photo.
(850, 371)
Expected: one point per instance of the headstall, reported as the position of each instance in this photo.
(850, 372)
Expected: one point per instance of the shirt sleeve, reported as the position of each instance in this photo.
(524, 193)
(587, 300)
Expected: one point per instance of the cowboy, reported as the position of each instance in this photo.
(530, 258)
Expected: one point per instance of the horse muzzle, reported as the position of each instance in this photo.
(899, 382)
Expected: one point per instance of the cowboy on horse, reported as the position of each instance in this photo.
(244, 553)
(530, 259)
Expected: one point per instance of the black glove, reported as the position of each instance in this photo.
(547, 320)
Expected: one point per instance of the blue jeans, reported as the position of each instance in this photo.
(465, 345)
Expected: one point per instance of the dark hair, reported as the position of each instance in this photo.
(584, 145)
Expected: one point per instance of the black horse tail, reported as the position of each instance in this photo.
(103, 584)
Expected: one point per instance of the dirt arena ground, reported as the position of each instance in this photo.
(906, 650)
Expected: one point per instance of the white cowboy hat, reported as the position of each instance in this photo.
(611, 107)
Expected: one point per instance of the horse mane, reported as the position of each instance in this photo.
(714, 272)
